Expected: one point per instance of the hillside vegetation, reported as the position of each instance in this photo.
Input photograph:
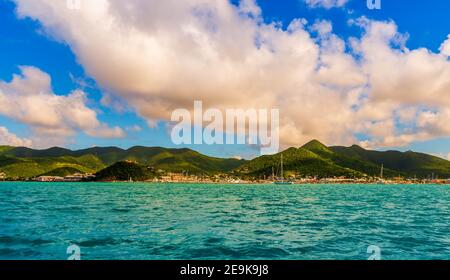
(23, 162)
(125, 171)
(317, 160)
(311, 160)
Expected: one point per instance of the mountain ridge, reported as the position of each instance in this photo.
(312, 159)
(21, 162)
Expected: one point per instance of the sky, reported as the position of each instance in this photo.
(111, 72)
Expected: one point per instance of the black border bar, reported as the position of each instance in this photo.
(172, 269)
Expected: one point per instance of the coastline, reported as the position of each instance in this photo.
(238, 184)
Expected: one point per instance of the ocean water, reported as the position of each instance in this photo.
(176, 221)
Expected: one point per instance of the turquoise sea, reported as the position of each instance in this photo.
(176, 221)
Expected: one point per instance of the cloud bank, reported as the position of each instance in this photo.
(9, 139)
(29, 99)
(163, 55)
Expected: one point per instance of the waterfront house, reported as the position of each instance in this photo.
(2, 176)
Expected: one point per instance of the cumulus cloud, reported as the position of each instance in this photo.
(322, 27)
(409, 89)
(10, 139)
(28, 98)
(327, 4)
(445, 47)
(163, 55)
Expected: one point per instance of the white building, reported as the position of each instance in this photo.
(49, 179)
(78, 177)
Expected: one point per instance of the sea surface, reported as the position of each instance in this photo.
(175, 221)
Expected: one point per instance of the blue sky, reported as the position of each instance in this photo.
(25, 41)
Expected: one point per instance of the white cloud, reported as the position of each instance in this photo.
(323, 27)
(9, 139)
(445, 47)
(448, 156)
(118, 104)
(327, 4)
(163, 55)
(28, 98)
(408, 98)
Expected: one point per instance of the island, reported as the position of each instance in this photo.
(312, 163)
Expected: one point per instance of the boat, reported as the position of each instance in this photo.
(381, 181)
(281, 181)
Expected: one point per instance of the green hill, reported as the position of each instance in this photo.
(5, 148)
(357, 164)
(407, 163)
(27, 163)
(62, 172)
(125, 171)
(22, 168)
(316, 159)
(317, 148)
(312, 159)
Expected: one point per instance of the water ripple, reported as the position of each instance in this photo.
(150, 221)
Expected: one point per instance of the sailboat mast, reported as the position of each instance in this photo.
(280, 180)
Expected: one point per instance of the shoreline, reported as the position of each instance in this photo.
(239, 184)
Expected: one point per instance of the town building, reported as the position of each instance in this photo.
(49, 179)
(78, 177)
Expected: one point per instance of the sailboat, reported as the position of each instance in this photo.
(381, 180)
(281, 180)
